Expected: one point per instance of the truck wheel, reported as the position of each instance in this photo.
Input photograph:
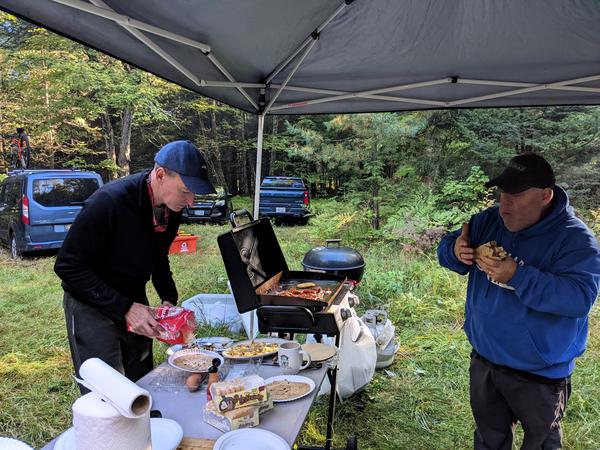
(14, 250)
(303, 221)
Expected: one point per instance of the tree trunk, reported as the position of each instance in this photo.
(213, 153)
(124, 156)
(375, 222)
(251, 170)
(109, 143)
(273, 153)
(51, 146)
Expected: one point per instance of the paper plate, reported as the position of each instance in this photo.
(191, 353)
(319, 352)
(220, 343)
(269, 340)
(13, 444)
(166, 435)
(251, 439)
(294, 378)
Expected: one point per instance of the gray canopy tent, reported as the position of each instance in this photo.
(335, 56)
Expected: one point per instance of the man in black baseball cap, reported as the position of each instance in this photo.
(119, 241)
(526, 191)
(526, 313)
(525, 171)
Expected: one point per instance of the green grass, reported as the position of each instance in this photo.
(421, 402)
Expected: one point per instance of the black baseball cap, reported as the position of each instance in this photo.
(184, 158)
(524, 171)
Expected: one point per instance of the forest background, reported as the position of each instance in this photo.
(410, 174)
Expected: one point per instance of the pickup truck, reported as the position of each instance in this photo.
(284, 198)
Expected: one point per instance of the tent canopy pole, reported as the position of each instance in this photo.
(259, 145)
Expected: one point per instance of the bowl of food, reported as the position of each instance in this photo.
(193, 360)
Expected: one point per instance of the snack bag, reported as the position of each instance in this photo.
(239, 392)
(179, 324)
(245, 417)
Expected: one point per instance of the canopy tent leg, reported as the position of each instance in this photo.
(259, 145)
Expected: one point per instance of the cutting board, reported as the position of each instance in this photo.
(188, 443)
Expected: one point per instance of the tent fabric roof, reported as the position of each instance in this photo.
(354, 56)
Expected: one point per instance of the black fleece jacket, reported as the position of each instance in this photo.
(112, 251)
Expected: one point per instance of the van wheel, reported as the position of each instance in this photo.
(14, 250)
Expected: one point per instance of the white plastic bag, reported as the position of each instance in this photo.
(357, 358)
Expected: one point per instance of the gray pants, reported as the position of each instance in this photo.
(92, 334)
(501, 396)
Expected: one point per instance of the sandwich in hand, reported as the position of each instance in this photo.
(491, 250)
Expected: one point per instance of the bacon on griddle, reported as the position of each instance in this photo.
(312, 293)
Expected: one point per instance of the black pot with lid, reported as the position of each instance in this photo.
(334, 259)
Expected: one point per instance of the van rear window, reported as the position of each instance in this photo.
(63, 191)
(282, 183)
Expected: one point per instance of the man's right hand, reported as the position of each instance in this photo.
(462, 247)
(140, 319)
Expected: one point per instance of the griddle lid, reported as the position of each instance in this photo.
(252, 255)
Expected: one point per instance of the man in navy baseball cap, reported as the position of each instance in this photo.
(184, 158)
(133, 221)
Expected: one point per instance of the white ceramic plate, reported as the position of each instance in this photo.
(219, 343)
(251, 439)
(13, 444)
(166, 435)
(295, 378)
(190, 352)
(269, 340)
(319, 352)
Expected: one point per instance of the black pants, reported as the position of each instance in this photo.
(501, 396)
(94, 335)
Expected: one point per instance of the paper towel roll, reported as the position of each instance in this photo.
(99, 426)
(126, 396)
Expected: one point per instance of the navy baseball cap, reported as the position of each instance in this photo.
(184, 158)
(524, 171)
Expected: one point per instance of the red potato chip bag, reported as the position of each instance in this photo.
(179, 324)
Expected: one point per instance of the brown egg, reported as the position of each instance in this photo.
(194, 381)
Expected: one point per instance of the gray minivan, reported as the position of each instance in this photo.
(37, 207)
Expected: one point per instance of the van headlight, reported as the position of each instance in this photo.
(220, 203)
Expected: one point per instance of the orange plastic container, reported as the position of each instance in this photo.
(183, 244)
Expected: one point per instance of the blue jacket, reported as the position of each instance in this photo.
(538, 321)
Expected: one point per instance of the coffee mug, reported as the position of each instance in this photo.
(290, 358)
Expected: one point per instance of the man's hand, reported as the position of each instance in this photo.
(462, 247)
(500, 271)
(140, 319)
